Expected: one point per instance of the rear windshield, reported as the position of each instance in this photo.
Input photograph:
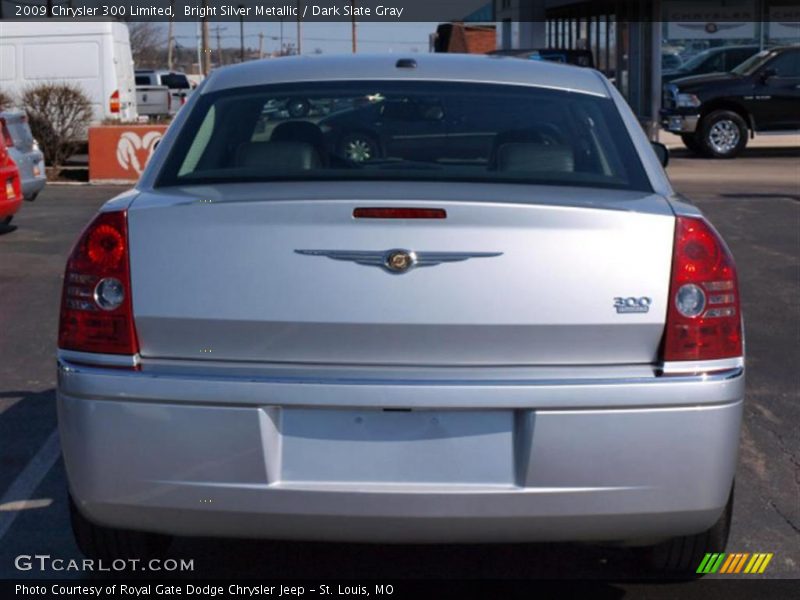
(409, 130)
(175, 81)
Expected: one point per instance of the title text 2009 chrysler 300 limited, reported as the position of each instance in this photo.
(456, 301)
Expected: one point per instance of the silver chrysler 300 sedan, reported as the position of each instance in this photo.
(457, 301)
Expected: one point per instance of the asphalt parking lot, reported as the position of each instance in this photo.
(754, 201)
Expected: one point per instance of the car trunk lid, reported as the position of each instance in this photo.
(240, 273)
(20, 131)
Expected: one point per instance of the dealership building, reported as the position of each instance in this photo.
(629, 39)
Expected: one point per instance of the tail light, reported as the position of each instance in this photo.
(386, 212)
(7, 139)
(96, 309)
(11, 191)
(12, 188)
(114, 104)
(704, 321)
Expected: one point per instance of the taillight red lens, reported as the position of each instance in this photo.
(385, 212)
(114, 104)
(704, 321)
(96, 309)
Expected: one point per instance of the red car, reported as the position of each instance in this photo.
(10, 186)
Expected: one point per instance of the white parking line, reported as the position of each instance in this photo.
(29, 479)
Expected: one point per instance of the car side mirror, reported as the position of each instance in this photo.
(766, 74)
(662, 152)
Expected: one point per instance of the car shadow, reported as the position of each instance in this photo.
(5, 229)
(781, 152)
(312, 560)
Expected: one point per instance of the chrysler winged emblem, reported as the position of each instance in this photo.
(397, 260)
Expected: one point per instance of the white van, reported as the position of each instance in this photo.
(95, 55)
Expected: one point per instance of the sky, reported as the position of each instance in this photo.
(330, 37)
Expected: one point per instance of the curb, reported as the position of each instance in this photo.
(120, 182)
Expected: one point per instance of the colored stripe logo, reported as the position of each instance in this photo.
(734, 562)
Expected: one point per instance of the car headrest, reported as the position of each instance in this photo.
(535, 157)
(291, 156)
(298, 131)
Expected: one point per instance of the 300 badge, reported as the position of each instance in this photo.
(632, 304)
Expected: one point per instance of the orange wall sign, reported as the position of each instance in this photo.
(120, 152)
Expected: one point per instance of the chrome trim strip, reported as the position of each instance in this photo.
(701, 367)
(101, 360)
(694, 377)
(199, 388)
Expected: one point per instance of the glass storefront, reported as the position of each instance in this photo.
(693, 35)
(636, 42)
(620, 36)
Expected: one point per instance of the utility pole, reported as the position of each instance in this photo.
(198, 44)
(218, 32)
(206, 48)
(353, 25)
(299, 29)
(170, 36)
(241, 33)
(261, 45)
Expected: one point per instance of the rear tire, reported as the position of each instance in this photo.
(680, 557)
(7, 220)
(106, 543)
(723, 134)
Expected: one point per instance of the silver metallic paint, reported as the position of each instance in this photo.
(590, 437)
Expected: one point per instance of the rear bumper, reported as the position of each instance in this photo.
(471, 463)
(31, 171)
(32, 185)
(9, 207)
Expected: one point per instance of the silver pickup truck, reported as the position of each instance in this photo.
(154, 100)
(177, 83)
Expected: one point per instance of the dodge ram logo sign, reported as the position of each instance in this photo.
(133, 151)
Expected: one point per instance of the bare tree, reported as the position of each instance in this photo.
(6, 101)
(59, 114)
(147, 43)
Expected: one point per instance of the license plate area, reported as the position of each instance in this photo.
(397, 447)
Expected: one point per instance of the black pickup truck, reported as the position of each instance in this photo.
(715, 114)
